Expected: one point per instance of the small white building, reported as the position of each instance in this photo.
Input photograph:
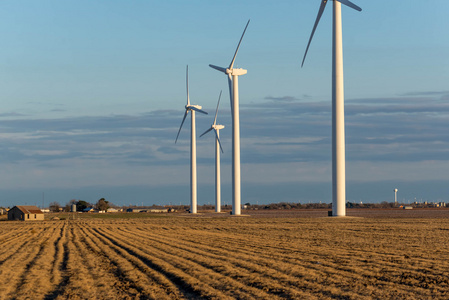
(158, 210)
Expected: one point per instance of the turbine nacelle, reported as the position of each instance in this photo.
(228, 71)
(195, 108)
(236, 72)
(218, 126)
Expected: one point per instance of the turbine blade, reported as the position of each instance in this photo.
(216, 112)
(187, 84)
(238, 46)
(183, 119)
(320, 13)
(218, 68)
(350, 4)
(198, 110)
(207, 131)
(218, 139)
(231, 94)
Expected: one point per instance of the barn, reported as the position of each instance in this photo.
(25, 213)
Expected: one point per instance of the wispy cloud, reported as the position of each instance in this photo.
(427, 93)
(282, 99)
(12, 114)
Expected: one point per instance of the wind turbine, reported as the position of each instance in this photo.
(216, 128)
(233, 82)
(191, 108)
(338, 114)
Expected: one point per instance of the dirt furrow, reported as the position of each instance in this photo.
(41, 268)
(60, 275)
(15, 241)
(90, 275)
(197, 267)
(146, 281)
(13, 234)
(29, 266)
(181, 273)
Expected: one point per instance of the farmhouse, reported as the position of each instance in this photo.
(25, 213)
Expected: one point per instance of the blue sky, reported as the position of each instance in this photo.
(92, 96)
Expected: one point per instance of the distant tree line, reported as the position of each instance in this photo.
(101, 204)
(288, 205)
(383, 204)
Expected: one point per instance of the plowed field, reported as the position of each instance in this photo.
(222, 257)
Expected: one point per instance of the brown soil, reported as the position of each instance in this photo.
(372, 254)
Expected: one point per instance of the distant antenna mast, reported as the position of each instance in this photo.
(43, 200)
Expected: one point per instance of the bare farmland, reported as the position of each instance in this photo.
(255, 257)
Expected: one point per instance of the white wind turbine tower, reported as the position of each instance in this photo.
(216, 128)
(338, 115)
(233, 83)
(192, 108)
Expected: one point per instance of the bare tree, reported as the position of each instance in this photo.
(54, 206)
(102, 204)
